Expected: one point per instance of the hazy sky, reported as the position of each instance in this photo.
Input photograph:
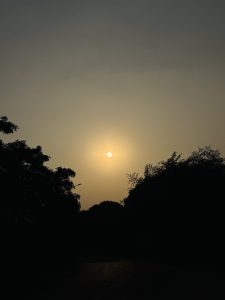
(138, 78)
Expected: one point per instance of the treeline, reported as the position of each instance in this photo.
(174, 213)
(38, 212)
(179, 208)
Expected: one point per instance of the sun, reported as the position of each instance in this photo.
(109, 154)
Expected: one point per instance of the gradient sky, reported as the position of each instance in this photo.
(138, 78)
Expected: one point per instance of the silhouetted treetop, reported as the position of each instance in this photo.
(206, 157)
(29, 189)
(178, 206)
(6, 126)
(200, 174)
(105, 210)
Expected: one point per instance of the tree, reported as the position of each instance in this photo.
(38, 210)
(30, 191)
(178, 204)
(108, 210)
(102, 229)
(6, 126)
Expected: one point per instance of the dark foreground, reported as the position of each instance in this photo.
(131, 280)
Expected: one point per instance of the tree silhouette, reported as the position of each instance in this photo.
(30, 190)
(106, 210)
(178, 206)
(38, 208)
(6, 126)
(102, 229)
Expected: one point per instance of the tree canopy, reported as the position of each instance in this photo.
(6, 126)
(30, 191)
(178, 205)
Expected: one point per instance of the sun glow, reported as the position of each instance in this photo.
(109, 154)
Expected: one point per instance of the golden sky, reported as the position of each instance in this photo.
(137, 78)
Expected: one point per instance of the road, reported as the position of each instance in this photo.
(139, 280)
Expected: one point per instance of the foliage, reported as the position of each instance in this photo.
(178, 205)
(30, 191)
(102, 229)
(202, 162)
(106, 210)
(6, 126)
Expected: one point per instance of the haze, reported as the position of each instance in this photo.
(140, 79)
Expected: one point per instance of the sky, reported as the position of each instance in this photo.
(138, 78)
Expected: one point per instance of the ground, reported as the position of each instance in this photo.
(123, 280)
